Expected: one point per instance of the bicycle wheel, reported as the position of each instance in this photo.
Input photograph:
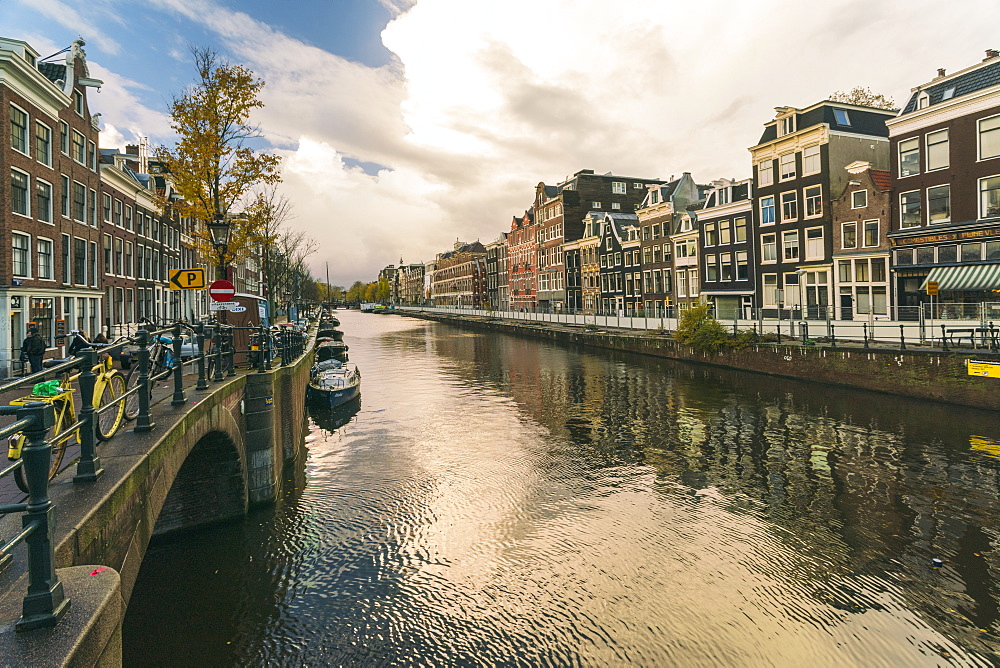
(132, 403)
(110, 421)
(58, 452)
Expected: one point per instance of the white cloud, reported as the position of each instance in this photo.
(68, 17)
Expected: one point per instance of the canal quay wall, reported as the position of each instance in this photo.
(930, 374)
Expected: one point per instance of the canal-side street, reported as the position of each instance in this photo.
(499, 500)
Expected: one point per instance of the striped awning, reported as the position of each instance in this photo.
(970, 277)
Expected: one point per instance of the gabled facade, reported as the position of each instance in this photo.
(945, 218)
(656, 223)
(620, 268)
(727, 248)
(798, 163)
(861, 244)
(588, 247)
(684, 239)
(522, 254)
(49, 263)
(559, 212)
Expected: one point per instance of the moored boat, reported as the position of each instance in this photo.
(333, 383)
(328, 350)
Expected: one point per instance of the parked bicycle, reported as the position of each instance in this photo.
(161, 366)
(109, 385)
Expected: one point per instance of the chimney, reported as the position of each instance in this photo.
(991, 53)
(940, 72)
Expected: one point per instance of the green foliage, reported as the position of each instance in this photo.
(701, 331)
(744, 339)
(590, 327)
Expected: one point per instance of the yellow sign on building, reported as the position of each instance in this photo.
(985, 369)
(187, 279)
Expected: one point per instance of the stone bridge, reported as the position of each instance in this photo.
(206, 461)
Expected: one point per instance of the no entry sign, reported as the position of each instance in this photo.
(221, 291)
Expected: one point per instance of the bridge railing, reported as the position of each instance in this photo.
(45, 602)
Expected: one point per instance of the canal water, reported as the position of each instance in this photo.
(500, 501)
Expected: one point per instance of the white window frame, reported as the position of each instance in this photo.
(920, 216)
(28, 194)
(48, 157)
(982, 208)
(927, 149)
(979, 136)
(790, 242)
(595, 205)
(764, 285)
(765, 172)
(51, 212)
(27, 254)
(864, 232)
(927, 199)
(843, 235)
(773, 207)
(619, 187)
(899, 155)
(782, 175)
(27, 131)
(808, 156)
(816, 198)
(854, 204)
(795, 200)
(763, 247)
(82, 159)
(807, 242)
(52, 258)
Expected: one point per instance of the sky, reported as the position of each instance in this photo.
(405, 125)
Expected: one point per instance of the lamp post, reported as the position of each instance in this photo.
(219, 229)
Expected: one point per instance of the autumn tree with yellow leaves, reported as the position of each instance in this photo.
(211, 166)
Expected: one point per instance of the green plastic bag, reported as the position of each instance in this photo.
(48, 388)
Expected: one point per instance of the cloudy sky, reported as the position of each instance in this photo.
(405, 124)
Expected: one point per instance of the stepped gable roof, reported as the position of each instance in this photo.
(961, 84)
(53, 71)
(881, 179)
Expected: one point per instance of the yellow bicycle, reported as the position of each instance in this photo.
(110, 384)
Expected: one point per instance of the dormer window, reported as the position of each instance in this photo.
(923, 100)
(786, 125)
(654, 197)
(722, 197)
(948, 94)
(840, 115)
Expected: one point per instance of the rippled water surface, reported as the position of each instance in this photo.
(502, 501)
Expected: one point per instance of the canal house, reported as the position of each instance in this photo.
(861, 244)
(946, 177)
(619, 259)
(727, 248)
(798, 164)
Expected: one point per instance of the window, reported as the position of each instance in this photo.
(93, 264)
(64, 137)
(904, 256)
(765, 173)
(789, 206)
(128, 258)
(18, 130)
(78, 148)
(786, 126)
(44, 248)
(118, 213)
(711, 268)
(106, 208)
(841, 116)
(618, 188)
(844, 270)
(742, 266)
(726, 266)
(947, 254)
(871, 233)
(21, 246)
(814, 201)
(711, 238)
(923, 100)
(93, 208)
(78, 102)
(925, 255)
(65, 195)
(128, 218)
(724, 235)
(79, 261)
(849, 235)
(937, 150)
(972, 252)
(19, 193)
(810, 160)
(909, 157)
(65, 257)
(786, 164)
(790, 245)
(769, 249)
(119, 256)
(43, 144)
(939, 204)
(79, 202)
(909, 209)
(740, 229)
(814, 244)
(878, 269)
(993, 250)
(767, 210)
(595, 205)
(861, 271)
(989, 197)
(615, 206)
(770, 294)
(859, 199)
(722, 197)
(92, 155)
(989, 138)
(43, 201)
(107, 254)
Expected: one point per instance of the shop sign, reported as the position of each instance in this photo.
(954, 236)
(984, 369)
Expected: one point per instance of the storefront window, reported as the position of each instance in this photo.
(993, 250)
(947, 254)
(904, 256)
(972, 252)
(925, 255)
(41, 315)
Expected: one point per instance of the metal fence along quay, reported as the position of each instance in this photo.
(44, 424)
(911, 328)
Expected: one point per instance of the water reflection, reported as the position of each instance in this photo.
(504, 501)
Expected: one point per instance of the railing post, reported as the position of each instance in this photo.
(178, 399)
(283, 342)
(142, 422)
(261, 350)
(45, 603)
(993, 338)
(88, 468)
(902, 338)
(200, 338)
(944, 340)
(231, 340)
(217, 352)
(865, 329)
(265, 345)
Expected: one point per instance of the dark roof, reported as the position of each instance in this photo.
(881, 179)
(741, 192)
(53, 71)
(963, 84)
(860, 121)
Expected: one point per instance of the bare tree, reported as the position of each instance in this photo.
(864, 97)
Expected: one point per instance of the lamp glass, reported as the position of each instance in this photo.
(219, 229)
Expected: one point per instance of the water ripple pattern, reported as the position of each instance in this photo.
(497, 501)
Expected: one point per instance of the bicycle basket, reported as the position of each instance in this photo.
(48, 388)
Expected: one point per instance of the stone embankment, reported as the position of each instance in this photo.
(919, 372)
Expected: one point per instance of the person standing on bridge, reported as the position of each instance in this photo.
(33, 348)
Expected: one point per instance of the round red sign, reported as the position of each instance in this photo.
(221, 291)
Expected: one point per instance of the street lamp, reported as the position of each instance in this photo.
(219, 229)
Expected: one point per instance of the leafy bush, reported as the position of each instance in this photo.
(698, 329)
(744, 339)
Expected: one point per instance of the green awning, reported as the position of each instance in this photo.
(970, 277)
